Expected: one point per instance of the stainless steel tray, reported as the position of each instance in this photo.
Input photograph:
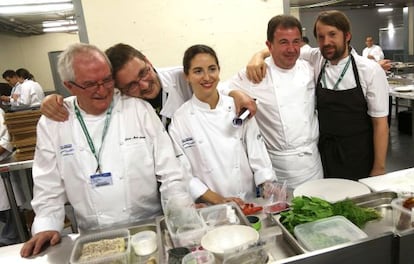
(381, 201)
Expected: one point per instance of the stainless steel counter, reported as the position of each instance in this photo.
(381, 247)
(58, 254)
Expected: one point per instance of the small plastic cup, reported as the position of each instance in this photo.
(255, 222)
(176, 255)
(199, 257)
(144, 243)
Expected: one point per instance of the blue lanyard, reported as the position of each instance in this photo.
(87, 135)
(340, 77)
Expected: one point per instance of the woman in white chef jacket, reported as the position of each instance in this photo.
(227, 162)
(31, 92)
(8, 233)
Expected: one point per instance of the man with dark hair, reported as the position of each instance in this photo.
(286, 116)
(372, 51)
(12, 79)
(352, 101)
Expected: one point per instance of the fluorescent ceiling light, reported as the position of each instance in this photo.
(385, 9)
(61, 29)
(58, 23)
(14, 10)
(379, 4)
(31, 2)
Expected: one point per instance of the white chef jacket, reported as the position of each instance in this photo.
(17, 189)
(372, 77)
(228, 160)
(374, 51)
(15, 90)
(137, 151)
(175, 87)
(287, 119)
(31, 95)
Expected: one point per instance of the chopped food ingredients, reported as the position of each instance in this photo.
(250, 208)
(308, 209)
(101, 248)
(405, 218)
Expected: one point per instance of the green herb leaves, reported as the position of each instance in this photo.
(308, 209)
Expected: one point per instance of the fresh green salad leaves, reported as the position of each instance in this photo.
(308, 209)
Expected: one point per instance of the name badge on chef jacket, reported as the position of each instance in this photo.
(101, 179)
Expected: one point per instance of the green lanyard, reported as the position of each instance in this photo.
(340, 77)
(88, 137)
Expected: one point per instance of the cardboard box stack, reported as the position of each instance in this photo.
(22, 129)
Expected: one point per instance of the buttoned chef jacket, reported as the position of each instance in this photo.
(230, 161)
(31, 94)
(137, 151)
(14, 176)
(372, 78)
(287, 119)
(374, 51)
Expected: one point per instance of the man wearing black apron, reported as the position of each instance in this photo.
(353, 141)
(346, 138)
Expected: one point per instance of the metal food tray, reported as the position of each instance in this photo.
(133, 229)
(381, 201)
(165, 238)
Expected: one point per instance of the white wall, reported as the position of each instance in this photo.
(32, 53)
(163, 29)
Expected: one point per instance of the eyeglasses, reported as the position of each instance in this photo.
(141, 75)
(107, 83)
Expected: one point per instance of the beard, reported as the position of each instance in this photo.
(337, 54)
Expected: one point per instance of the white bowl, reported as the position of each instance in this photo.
(144, 243)
(228, 238)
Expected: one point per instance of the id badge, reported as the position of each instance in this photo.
(101, 179)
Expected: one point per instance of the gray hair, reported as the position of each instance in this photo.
(65, 62)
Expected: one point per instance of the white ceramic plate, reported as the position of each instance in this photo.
(406, 88)
(331, 190)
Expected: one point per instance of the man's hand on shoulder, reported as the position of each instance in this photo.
(52, 107)
(256, 68)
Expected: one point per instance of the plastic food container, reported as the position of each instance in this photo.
(217, 215)
(199, 257)
(144, 242)
(327, 232)
(120, 257)
(187, 230)
(403, 218)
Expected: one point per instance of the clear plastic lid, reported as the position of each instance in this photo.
(327, 232)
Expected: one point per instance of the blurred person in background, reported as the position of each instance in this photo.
(372, 51)
(12, 79)
(31, 93)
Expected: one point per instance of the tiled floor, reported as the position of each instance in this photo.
(400, 149)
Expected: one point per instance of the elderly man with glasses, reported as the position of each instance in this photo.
(109, 159)
(166, 89)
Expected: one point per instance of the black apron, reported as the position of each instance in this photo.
(346, 135)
